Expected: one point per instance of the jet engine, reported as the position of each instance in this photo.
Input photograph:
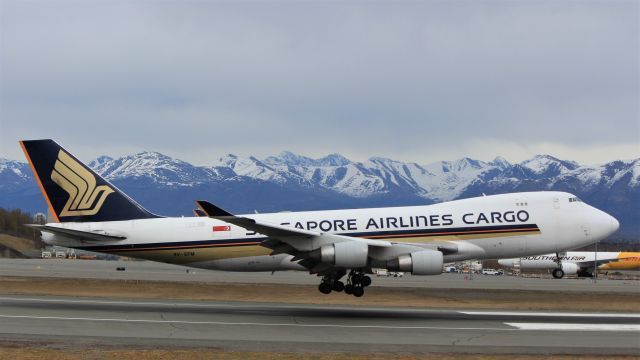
(348, 254)
(570, 268)
(426, 262)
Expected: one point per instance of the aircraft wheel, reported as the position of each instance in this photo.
(338, 286)
(348, 289)
(356, 278)
(358, 291)
(557, 273)
(366, 281)
(324, 288)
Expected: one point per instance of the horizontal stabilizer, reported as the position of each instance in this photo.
(77, 234)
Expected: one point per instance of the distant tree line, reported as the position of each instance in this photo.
(12, 223)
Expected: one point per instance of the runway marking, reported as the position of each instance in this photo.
(188, 322)
(515, 326)
(575, 327)
(545, 314)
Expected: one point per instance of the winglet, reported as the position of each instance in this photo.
(212, 210)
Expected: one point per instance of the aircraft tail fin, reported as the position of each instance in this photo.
(73, 191)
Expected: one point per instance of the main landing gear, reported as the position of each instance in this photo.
(356, 282)
(330, 284)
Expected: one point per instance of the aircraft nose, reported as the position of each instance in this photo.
(615, 225)
(603, 225)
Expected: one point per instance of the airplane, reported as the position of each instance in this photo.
(92, 214)
(579, 263)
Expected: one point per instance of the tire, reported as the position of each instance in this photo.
(366, 281)
(338, 286)
(557, 273)
(348, 289)
(356, 279)
(324, 288)
(358, 291)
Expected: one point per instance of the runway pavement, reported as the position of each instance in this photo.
(146, 270)
(268, 327)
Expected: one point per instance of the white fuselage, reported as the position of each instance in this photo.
(488, 227)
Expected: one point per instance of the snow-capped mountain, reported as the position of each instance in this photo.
(13, 173)
(154, 168)
(292, 182)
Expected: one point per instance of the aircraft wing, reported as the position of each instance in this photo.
(287, 240)
(589, 264)
(77, 234)
(299, 239)
(300, 242)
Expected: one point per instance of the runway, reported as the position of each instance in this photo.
(268, 327)
(146, 270)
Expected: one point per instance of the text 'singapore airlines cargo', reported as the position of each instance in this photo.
(92, 214)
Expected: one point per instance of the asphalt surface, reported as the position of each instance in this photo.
(268, 327)
(146, 270)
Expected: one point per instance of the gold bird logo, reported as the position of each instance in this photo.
(85, 198)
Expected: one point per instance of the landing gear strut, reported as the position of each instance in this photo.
(356, 282)
(558, 273)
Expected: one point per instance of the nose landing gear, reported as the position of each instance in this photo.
(557, 273)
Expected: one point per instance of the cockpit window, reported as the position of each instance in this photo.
(574, 199)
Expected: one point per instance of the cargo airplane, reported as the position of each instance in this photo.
(91, 214)
(581, 263)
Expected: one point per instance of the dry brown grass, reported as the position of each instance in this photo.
(19, 244)
(307, 294)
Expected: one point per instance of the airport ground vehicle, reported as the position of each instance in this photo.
(492, 272)
(450, 269)
(91, 214)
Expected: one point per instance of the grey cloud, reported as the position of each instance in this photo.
(393, 79)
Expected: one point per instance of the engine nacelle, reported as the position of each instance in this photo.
(348, 254)
(570, 268)
(426, 262)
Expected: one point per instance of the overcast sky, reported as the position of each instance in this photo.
(409, 80)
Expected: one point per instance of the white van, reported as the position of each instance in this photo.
(491, 272)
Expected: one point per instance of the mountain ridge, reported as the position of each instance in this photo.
(293, 182)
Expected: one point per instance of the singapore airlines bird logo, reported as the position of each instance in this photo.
(85, 198)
